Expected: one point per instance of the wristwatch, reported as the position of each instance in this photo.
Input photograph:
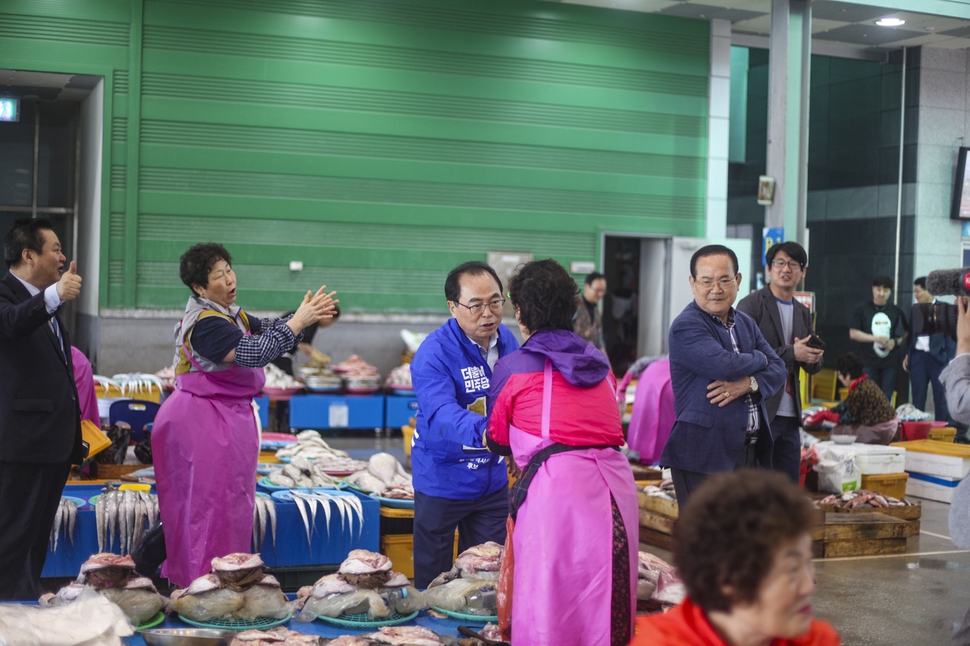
(753, 384)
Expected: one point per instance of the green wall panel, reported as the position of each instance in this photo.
(381, 142)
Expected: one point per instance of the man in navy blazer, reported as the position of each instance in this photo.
(40, 421)
(926, 358)
(722, 371)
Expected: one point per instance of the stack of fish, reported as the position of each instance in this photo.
(64, 519)
(393, 635)
(236, 589)
(300, 472)
(264, 515)
(862, 498)
(384, 476)
(346, 504)
(278, 636)
(114, 577)
(658, 586)
(664, 489)
(361, 585)
(126, 514)
(310, 445)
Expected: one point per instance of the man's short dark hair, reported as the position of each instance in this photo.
(882, 280)
(196, 263)
(712, 250)
(921, 281)
(729, 533)
(794, 250)
(26, 233)
(545, 295)
(593, 276)
(472, 268)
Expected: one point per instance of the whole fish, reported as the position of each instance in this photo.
(140, 514)
(261, 512)
(122, 523)
(71, 520)
(101, 516)
(130, 510)
(306, 523)
(271, 511)
(58, 517)
(112, 517)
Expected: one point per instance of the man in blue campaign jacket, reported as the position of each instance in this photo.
(457, 482)
(721, 371)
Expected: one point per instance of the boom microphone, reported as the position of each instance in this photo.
(949, 282)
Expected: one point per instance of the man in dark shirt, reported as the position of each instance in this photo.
(880, 328)
(588, 322)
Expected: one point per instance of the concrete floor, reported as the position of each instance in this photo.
(914, 598)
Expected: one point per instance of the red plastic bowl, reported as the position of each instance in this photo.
(915, 431)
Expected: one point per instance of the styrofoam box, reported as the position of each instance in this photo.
(921, 485)
(947, 466)
(872, 459)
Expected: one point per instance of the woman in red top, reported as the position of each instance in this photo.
(735, 595)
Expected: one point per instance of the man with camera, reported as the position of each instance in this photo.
(927, 356)
(787, 327)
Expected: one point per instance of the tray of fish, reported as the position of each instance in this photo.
(126, 515)
(264, 517)
(363, 620)
(267, 484)
(345, 503)
(386, 480)
(65, 520)
(397, 503)
(300, 472)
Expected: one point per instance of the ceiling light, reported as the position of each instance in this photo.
(890, 22)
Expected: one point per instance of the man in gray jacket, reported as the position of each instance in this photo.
(786, 325)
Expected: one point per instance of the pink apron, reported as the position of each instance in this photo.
(653, 412)
(205, 447)
(563, 540)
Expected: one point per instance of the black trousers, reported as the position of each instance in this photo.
(29, 496)
(787, 453)
(687, 482)
(435, 521)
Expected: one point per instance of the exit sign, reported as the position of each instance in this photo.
(9, 109)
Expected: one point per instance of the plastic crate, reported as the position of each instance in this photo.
(889, 484)
(942, 433)
(396, 521)
(931, 487)
(399, 409)
(943, 459)
(337, 411)
(400, 549)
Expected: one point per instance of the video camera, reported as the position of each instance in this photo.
(941, 318)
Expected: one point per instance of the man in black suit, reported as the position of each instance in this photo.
(927, 357)
(786, 325)
(40, 423)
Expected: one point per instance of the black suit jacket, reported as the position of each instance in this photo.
(40, 421)
(942, 347)
(763, 308)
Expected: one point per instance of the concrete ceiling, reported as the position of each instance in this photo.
(843, 24)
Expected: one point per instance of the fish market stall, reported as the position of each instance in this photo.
(317, 536)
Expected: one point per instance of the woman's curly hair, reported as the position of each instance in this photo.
(729, 532)
(196, 263)
(545, 296)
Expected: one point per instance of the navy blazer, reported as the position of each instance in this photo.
(40, 421)
(707, 438)
(942, 347)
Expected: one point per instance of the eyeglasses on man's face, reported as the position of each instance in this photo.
(479, 308)
(708, 284)
(780, 263)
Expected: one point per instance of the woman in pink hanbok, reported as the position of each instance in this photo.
(573, 528)
(205, 443)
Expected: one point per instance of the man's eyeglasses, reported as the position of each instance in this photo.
(778, 263)
(479, 308)
(707, 284)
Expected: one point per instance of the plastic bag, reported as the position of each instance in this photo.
(837, 472)
(204, 607)
(336, 604)
(263, 601)
(139, 605)
(451, 596)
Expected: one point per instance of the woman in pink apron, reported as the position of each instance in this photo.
(575, 534)
(205, 443)
(653, 415)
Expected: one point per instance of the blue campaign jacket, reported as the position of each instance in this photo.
(451, 380)
(705, 437)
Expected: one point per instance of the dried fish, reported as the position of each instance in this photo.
(71, 520)
(101, 516)
(306, 523)
(112, 517)
(271, 510)
(56, 529)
